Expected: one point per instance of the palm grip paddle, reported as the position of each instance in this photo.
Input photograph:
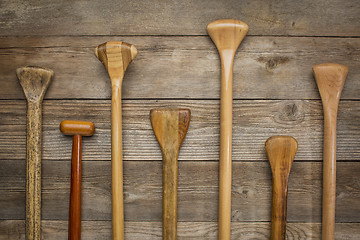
(116, 57)
(227, 34)
(170, 127)
(330, 79)
(34, 82)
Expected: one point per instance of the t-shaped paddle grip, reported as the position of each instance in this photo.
(78, 129)
(83, 128)
(170, 127)
(281, 152)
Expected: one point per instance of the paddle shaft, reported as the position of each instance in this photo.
(281, 152)
(170, 172)
(279, 207)
(75, 190)
(329, 173)
(225, 164)
(117, 164)
(33, 170)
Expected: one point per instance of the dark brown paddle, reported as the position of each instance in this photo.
(281, 152)
(34, 82)
(77, 129)
(170, 127)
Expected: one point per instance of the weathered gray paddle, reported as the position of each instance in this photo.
(34, 82)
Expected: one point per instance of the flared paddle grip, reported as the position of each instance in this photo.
(34, 82)
(116, 57)
(75, 191)
(170, 127)
(227, 34)
(330, 79)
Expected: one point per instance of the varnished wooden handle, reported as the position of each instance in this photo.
(34, 82)
(170, 127)
(75, 191)
(330, 78)
(116, 57)
(227, 34)
(281, 152)
(78, 129)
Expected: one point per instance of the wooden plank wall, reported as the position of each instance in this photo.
(178, 65)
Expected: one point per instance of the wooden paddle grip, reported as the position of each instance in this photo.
(170, 172)
(75, 190)
(117, 165)
(33, 171)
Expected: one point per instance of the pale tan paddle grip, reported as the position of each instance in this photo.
(330, 79)
(227, 35)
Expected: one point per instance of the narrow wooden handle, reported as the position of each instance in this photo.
(75, 191)
(170, 127)
(330, 78)
(34, 82)
(227, 35)
(281, 152)
(117, 166)
(33, 171)
(116, 57)
(170, 172)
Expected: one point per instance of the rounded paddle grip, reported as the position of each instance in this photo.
(227, 34)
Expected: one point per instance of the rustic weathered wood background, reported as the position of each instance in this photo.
(178, 65)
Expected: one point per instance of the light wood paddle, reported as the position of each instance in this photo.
(170, 127)
(77, 129)
(116, 57)
(281, 152)
(227, 34)
(330, 79)
(34, 82)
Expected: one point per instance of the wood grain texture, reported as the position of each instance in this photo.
(227, 34)
(197, 191)
(264, 67)
(330, 78)
(178, 18)
(170, 127)
(34, 82)
(281, 152)
(253, 123)
(116, 57)
(13, 229)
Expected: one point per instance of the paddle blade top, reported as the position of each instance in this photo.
(34, 82)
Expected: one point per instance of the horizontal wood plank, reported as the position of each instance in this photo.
(197, 191)
(180, 67)
(187, 17)
(100, 230)
(254, 122)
